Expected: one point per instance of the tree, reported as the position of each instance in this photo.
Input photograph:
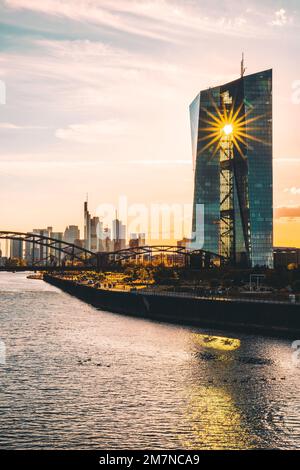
(166, 276)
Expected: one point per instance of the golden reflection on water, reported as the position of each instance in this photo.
(212, 416)
(221, 343)
(214, 420)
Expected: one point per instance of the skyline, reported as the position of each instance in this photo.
(86, 91)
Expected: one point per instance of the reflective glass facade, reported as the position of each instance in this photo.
(232, 152)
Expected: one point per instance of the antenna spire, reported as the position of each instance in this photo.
(243, 68)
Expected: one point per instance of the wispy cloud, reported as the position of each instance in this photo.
(281, 18)
(161, 162)
(163, 20)
(92, 132)
(289, 212)
(293, 190)
(11, 126)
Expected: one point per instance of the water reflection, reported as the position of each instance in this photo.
(215, 420)
(244, 401)
(80, 378)
(219, 343)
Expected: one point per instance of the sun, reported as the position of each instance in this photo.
(228, 121)
(228, 129)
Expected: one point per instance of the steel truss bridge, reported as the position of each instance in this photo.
(46, 253)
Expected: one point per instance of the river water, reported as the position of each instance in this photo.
(74, 377)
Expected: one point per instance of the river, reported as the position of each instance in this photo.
(74, 377)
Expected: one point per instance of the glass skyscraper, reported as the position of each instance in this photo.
(232, 151)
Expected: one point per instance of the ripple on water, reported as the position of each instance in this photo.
(76, 377)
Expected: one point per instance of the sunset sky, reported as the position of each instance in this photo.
(97, 97)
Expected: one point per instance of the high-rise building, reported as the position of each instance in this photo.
(137, 239)
(102, 236)
(40, 252)
(56, 254)
(142, 239)
(16, 249)
(96, 238)
(95, 234)
(71, 234)
(231, 129)
(87, 227)
(119, 234)
(28, 252)
(3, 259)
(106, 240)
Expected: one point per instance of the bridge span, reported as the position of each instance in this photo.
(54, 254)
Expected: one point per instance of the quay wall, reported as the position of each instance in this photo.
(268, 318)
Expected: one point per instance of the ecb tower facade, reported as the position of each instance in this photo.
(232, 151)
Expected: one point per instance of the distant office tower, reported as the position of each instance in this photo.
(232, 150)
(28, 252)
(3, 259)
(142, 239)
(16, 249)
(71, 234)
(101, 236)
(107, 241)
(133, 240)
(87, 227)
(55, 254)
(119, 235)
(39, 252)
(95, 234)
(137, 239)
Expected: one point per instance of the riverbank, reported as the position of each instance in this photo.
(268, 318)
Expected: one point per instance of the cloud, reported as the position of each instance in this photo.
(281, 18)
(292, 190)
(289, 212)
(161, 162)
(92, 132)
(163, 20)
(11, 126)
(92, 72)
(101, 55)
(91, 12)
(93, 93)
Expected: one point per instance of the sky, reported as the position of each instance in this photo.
(97, 97)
